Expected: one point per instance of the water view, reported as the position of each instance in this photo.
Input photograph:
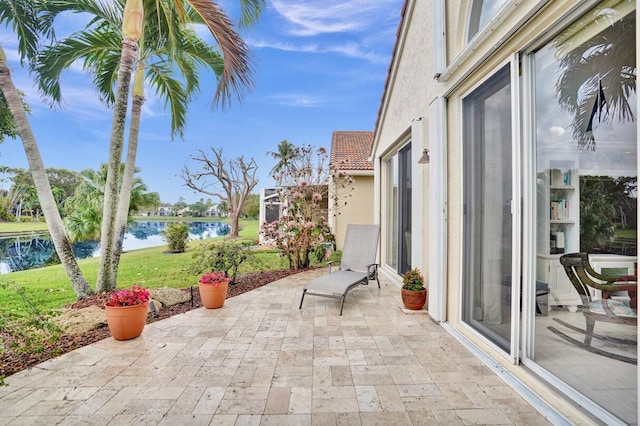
(35, 251)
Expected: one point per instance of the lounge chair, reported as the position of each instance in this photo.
(357, 266)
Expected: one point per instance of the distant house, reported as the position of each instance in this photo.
(165, 210)
(185, 212)
(270, 205)
(214, 211)
(350, 151)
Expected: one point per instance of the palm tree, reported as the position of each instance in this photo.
(99, 47)
(25, 19)
(597, 77)
(286, 151)
(84, 208)
(235, 77)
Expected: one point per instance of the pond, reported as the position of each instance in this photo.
(35, 251)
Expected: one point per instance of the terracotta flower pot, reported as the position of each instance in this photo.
(126, 322)
(414, 300)
(212, 296)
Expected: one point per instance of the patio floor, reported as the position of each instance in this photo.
(260, 360)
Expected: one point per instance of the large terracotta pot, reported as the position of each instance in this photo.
(414, 300)
(213, 297)
(126, 322)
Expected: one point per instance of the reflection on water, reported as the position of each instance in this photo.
(35, 251)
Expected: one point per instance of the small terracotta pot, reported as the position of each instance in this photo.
(126, 322)
(213, 297)
(414, 300)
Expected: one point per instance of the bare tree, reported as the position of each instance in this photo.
(233, 181)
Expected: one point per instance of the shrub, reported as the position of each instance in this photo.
(177, 235)
(221, 256)
(26, 334)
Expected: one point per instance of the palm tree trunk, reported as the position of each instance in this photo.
(127, 179)
(41, 182)
(106, 275)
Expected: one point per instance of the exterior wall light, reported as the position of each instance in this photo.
(425, 159)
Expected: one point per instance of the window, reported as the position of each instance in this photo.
(482, 11)
(398, 213)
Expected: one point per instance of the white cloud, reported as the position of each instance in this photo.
(279, 45)
(355, 50)
(333, 16)
(351, 50)
(297, 100)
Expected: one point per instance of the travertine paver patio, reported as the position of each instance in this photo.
(261, 361)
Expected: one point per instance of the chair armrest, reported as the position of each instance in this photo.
(372, 271)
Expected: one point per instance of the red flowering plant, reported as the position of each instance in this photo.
(136, 296)
(214, 278)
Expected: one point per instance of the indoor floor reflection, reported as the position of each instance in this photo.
(610, 383)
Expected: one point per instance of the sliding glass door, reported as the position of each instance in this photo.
(487, 165)
(398, 210)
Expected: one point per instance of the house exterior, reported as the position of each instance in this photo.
(350, 153)
(214, 211)
(527, 110)
(165, 210)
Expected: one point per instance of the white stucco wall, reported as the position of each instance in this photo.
(411, 81)
(411, 89)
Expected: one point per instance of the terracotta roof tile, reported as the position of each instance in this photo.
(350, 150)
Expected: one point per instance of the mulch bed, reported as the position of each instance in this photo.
(11, 362)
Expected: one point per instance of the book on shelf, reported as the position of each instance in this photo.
(559, 177)
(559, 209)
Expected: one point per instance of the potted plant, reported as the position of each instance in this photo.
(127, 312)
(213, 289)
(414, 295)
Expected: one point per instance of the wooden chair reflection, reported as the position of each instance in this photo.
(618, 310)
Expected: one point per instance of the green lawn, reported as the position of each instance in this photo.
(8, 228)
(49, 288)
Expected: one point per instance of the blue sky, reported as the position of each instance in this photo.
(320, 66)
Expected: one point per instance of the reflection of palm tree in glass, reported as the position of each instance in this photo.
(597, 76)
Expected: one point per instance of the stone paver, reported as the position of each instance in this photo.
(259, 360)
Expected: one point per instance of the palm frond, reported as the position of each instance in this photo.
(237, 77)
(23, 17)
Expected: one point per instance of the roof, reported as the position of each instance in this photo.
(396, 47)
(351, 150)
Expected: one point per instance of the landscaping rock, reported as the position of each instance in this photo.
(78, 321)
(169, 296)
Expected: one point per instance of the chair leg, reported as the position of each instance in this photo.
(342, 304)
(589, 332)
(302, 300)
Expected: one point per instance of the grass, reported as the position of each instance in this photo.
(10, 228)
(49, 288)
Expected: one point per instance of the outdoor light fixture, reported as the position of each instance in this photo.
(425, 159)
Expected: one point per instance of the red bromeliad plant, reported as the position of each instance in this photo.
(214, 278)
(136, 296)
